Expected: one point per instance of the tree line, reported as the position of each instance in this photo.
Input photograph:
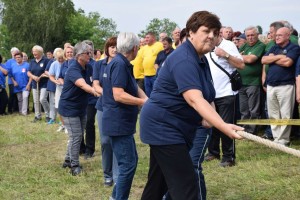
(51, 23)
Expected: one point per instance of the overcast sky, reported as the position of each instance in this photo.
(135, 15)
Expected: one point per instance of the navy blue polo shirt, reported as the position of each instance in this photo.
(118, 118)
(161, 57)
(278, 75)
(50, 85)
(73, 100)
(37, 69)
(89, 80)
(2, 77)
(64, 68)
(297, 67)
(166, 118)
(98, 71)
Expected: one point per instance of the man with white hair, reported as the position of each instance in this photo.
(121, 99)
(12, 99)
(250, 93)
(281, 59)
(227, 33)
(176, 37)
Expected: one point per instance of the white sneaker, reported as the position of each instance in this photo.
(66, 131)
(60, 128)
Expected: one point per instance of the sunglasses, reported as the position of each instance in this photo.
(87, 53)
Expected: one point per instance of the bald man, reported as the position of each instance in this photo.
(280, 80)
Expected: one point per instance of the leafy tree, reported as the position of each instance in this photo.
(50, 23)
(92, 27)
(157, 26)
(4, 42)
(41, 22)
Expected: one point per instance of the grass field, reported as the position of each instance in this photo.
(32, 154)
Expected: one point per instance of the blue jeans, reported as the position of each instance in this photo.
(149, 82)
(125, 150)
(109, 161)
(197, 152)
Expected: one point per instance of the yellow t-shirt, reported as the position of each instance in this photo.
(149, 55)
(173, 45)
(138, 70)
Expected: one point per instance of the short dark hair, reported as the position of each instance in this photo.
(112, 41)
(151, 33)
(277, 25)
(182, 34)
(202, 18)
(167, 39)
(1, 59)
(295, 32)
(19, 54)
(96, 50)
(236, 34)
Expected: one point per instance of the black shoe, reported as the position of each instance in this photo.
(108, 182)
(88, 155)
(267, 137)
(36, 119)
(82, 152)
(209, 157)
(228, 163)
(47, 119)
(76, 170)
(66, 164)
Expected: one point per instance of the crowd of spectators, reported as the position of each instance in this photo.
(178, 83)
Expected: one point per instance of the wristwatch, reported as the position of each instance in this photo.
(227, 55)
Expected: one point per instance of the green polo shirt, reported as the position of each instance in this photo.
(251, 74)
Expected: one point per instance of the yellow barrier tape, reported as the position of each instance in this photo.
(281, 122)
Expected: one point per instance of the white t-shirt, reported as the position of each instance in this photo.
(221, 81)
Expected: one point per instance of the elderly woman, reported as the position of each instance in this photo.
(39, 78)
(73, 103)
(109, 164)
(181, 99)
(121, 98)
(21, 81)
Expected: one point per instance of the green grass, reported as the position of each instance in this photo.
(32, 154)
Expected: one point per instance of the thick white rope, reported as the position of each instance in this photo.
(269, 143)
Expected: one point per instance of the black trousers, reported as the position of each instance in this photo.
(225, 106)
(12, 100)
(88, 144)
(3, 101)
(171, 169)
